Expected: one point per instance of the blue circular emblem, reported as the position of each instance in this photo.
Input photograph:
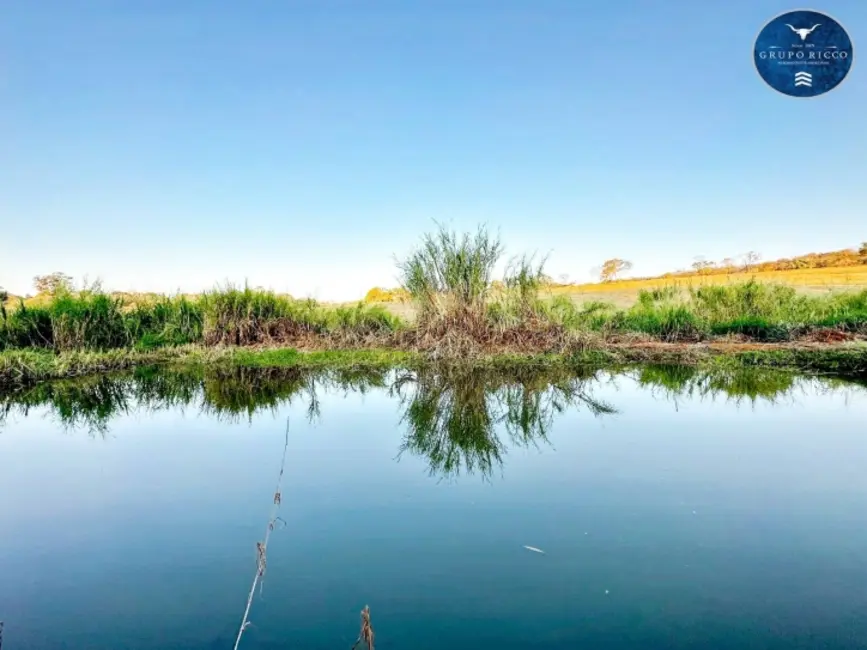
(803, 53)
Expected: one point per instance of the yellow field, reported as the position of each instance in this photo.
(624, 292)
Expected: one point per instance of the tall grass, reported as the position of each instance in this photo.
(451, 273)
(461, 310)
(517, 299)
(450, 278)
(93, 320)
(245, 316)
(165, 321)
(765, 312)
(234, 316)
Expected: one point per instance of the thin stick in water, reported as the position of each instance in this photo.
(366, 634)
(262, 547)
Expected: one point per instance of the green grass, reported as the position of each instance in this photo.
(463, 311)
(92, 320)
(96, 321)
(760, 312)
(23, 367)
(448, 272)
(291, 358)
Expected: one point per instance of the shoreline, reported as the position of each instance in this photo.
(20, 368)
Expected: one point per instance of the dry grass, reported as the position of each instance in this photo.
(365, 635)
(807, 280)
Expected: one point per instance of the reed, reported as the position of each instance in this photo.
(450, 274)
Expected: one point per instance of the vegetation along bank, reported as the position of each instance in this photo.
(462, 312)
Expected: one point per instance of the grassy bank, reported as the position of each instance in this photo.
(465, 311)
(23, 367)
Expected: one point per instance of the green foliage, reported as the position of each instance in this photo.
(448, 272)
(94, 320)
(362, 320)
(516, 299)
(26, 327)
(165, 321)
(666, 321)
(761, 312)
(562, 311)
(90, 320)
(463, 310)
(233, 316)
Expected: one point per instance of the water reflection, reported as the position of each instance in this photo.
(460, 420)
(453, 418)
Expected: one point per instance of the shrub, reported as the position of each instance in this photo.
(448, 273)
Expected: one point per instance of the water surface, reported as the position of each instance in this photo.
(675, 510)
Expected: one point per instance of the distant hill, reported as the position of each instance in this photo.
(834, 259)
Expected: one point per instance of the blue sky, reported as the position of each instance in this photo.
(168, 145)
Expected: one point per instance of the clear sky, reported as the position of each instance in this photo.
(301, 145)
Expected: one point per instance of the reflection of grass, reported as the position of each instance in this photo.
(24, 367)
(734, 383)
(461, 420)
(453, 418)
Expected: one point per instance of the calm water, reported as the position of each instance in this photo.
(676, 510)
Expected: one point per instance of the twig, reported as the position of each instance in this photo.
(262, 547)
(366, 634)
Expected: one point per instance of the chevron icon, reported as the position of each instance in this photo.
(804, 79)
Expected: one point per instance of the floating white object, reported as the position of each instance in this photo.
(534, 549)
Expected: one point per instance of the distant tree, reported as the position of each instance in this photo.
(613, 268)
(863, 250)
(751, 259)
(728, 263)
(4, 296)
(701, 265)
(564, 278)
(52, 283)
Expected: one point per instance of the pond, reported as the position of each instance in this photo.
(658, 507)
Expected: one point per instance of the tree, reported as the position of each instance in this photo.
(564, 278)
(728, 264)
(612, 268)
(751, 259)
(52, 283)
(863, 250)
(701, 265)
